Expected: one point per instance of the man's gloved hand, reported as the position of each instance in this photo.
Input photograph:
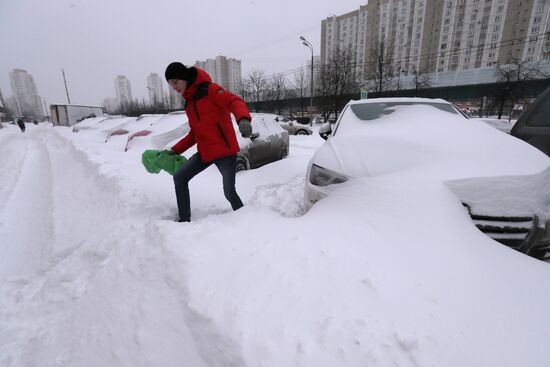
(169, 151)
(245, 128)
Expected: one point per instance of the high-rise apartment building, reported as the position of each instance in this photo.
(234, 76)
(345, 32)
(123, 90)
(441, 35)
(28, 103)
(225, 72)
(155, 88)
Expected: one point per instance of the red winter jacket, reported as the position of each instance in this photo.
(208, 108)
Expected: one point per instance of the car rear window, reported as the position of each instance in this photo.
(372, 111)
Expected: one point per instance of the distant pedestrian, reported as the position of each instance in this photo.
(208, 107)
(21, 124)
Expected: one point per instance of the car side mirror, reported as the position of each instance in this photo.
(325, 130)
(291, 123)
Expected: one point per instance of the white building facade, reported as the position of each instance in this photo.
(25, 93)
(224, 71)
(345, 32)
(155, 88)
(123, 90)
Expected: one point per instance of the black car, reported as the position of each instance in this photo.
(533, 126)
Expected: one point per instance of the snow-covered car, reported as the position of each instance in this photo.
(292, 126)
(270, 141)
(288, 124)
(412, 139)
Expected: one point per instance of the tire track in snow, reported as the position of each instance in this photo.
(27, 231)
(13, 151)
(105, 293)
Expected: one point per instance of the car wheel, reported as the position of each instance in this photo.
(241, 164)
(301, 132)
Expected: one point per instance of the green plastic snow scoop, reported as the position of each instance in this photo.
(156, 160)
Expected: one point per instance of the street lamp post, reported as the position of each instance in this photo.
(307, 44)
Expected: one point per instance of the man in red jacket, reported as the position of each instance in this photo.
(208, 107)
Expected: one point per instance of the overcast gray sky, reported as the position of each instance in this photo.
(96, 40)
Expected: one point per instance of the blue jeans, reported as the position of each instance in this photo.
(227, 167)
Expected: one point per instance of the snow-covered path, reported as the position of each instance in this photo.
(93, 283)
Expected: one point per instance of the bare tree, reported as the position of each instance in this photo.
(277, 91)
(300, 83)
(421, 79)
(256, 83)
(380, 67)
(510, 77)
(337, 80)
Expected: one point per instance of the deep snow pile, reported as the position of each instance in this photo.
(94, 272)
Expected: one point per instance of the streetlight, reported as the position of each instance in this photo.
(307, 44)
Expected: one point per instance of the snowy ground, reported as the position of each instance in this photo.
(501, 124)
(94, 272)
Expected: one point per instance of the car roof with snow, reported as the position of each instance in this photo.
(400, 99)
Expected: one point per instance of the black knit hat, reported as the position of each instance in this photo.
(177, 70)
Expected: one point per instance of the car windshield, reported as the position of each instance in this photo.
(372, 111)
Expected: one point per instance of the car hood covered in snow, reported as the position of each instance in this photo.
(421, 140)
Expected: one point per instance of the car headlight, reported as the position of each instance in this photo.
(323, 177)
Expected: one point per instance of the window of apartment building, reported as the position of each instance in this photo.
(471, 34)
(537, 19)
(530, 50)
(533, 39)
(473, 17)
(535, 29)
(494, 37)
(443, 46)
(496, 28)
(529, 59)
(498, 18)
(491, 55)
